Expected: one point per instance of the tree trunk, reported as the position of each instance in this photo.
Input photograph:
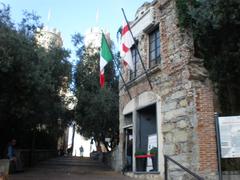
(73, 135)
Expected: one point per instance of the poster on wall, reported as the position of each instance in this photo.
(229, 128)
(152, 142)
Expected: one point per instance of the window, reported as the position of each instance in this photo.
(154, 48)
(135, 59)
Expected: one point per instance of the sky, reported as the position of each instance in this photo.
(76, 16)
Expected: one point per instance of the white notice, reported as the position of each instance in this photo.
(152, 142)
(229, 128)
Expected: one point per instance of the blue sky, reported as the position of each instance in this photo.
(74, 16)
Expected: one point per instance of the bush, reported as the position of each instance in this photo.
(154, 150)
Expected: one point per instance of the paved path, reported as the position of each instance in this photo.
(69, 168)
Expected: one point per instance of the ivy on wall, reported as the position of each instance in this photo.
(215, 26)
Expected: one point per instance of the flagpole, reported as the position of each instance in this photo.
(114, 62)
(140, 57)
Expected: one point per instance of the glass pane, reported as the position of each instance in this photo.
(158, 42)
(152, 46)
(152, 55)
(135, 61)
(137, 58)
(134, 50)
(151, 37)
(158, 52)
(158, 34)
(133, 57)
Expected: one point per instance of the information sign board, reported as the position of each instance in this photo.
(229, 128)
(152, 142)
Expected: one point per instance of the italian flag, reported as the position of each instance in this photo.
(105, 57)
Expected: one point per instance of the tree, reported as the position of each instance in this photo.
(31, 78)
(97, 109)
(215, 25)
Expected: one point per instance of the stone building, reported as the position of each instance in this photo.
(92, 39)
(176, 115)
(47, 37)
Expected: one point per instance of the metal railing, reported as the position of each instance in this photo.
(166, 158)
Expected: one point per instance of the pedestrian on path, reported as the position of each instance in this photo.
(14, 157)
(81, 151)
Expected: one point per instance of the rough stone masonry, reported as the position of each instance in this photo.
(181, 82)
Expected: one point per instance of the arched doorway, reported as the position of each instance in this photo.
(142, 117)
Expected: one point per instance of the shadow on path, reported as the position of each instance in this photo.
(69, 168)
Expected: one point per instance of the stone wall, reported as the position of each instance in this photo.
(30, 158)
(180, 80)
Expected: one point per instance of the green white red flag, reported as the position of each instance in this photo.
(105, 57)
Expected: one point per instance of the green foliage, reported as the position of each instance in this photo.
(97, 109)
(31, 79)
(216, 25)
(29, 24)
(154, 150)
(184, 8)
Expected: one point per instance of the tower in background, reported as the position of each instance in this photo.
(92, 38)
(48, 37)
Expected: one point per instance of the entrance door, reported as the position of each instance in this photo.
(146, 139)
(128, 146)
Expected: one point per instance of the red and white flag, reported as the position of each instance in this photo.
(126, 44)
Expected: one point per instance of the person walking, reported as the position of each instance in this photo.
(81, 151)
(14, 157)
(129, 155)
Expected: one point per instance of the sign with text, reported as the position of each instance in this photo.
(229, 128)
(152, 142)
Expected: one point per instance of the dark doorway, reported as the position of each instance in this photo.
(146, 139)
(128, 143)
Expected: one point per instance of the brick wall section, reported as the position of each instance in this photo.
(206, 130)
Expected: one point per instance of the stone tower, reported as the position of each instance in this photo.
(47, 37)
